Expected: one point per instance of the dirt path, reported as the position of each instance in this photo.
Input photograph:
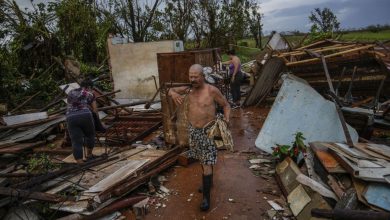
(232, 180)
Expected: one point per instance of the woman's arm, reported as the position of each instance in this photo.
(227, 62)
(94, 106)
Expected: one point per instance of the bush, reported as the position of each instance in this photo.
(243, 44)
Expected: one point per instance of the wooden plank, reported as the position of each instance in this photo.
(347, 151)
(347, 214)
(330, 55)
(380, 149)
(316, 186)
(364, 147)
(122, 156)
(332, 182)
(98, 151)
(275, 205)
(117, 176)
(368, 174)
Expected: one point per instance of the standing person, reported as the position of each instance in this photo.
(81, 127)
(201, 115)
(236, 77)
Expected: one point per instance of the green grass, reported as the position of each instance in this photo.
(366, 36)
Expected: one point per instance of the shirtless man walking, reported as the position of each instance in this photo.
(201, 115)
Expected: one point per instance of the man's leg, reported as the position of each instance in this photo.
(207, 179)
(200, 190)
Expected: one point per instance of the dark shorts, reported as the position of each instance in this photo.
(202, 148)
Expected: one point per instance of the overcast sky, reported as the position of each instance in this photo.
(290, 15)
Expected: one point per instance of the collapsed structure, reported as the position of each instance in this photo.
(341, 170)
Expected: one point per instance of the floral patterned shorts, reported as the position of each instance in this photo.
(202, 148)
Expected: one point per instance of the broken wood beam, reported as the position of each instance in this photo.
(108, 94)
(34, 182)
(19, 193)
(364, 101)
(113, 101)
(121, 106)
(56, 100)
(124, 203)
(323, 49)
(329, 56)
(109, 107)
(25, 102)
(128, 184)
(332, 182)
(172, 84)
(335, 98)
(347, 214)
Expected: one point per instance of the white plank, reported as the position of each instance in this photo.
(259, 160)
(275, 205)
(118, 175)
(316, 186)
(18, 119)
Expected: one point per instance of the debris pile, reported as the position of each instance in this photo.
(357, 70)
(339, 175)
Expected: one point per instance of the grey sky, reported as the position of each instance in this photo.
(289, 15)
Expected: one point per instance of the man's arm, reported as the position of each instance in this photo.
(176, 92)
(221, 100)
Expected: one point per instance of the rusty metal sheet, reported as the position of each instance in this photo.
(18, 119)
(31, 133)
(327, 160)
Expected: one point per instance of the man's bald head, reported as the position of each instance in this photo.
(196, 76)
(197, 68)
